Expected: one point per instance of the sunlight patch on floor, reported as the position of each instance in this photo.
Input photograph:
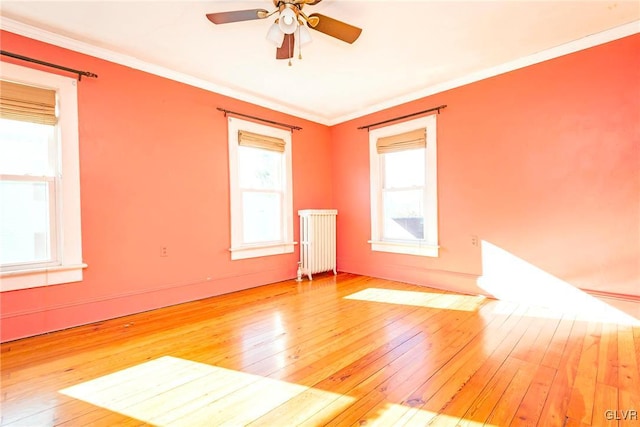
(395, 414)
(177, 392)
(510, 278)
(419, 299)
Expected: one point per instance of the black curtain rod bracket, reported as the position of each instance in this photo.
(284, 125)
(395, 119)
(49, 64)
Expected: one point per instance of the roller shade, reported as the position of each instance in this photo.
(404, 141)
(27, 103)
(250, 139)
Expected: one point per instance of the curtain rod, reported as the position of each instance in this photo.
(48, 64)
(438, 108)
(227, 112)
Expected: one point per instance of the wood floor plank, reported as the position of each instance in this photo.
(628, 373)
(555, 407)
(555, 349)
(580, 406)
(605, 405)
(486, 402)
(628, 377)
(341, 350)
(507, 405)
(530, 408)
(628, 401)
(540, 346)
(608, 355)
(533, 345)
(572, 422)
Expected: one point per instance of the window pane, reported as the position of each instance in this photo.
(259, 169)
(261, 216)
(403, 217)
(24, 148)
(404, 168)
(24, 222)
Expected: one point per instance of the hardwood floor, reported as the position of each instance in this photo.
(343, 350)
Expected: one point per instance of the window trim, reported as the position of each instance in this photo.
(429, 245)
(286, 245)
(69, 243)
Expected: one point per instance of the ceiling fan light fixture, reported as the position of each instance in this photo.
(275, 35)
(288, 20)
(304, 36)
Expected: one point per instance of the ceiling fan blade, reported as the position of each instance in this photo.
(236, 16)
(334, 28)
(286, 50)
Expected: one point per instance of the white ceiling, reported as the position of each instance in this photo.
(408, 49)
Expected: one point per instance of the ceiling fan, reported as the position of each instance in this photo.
(290, 24)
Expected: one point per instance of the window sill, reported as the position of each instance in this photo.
(255, 251)
(37, 277)
(420, 249)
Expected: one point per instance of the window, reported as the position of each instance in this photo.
(404, 210)
(261, 195)
(40, 240)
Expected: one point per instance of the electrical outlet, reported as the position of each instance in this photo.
(163, 251)
(474, 240)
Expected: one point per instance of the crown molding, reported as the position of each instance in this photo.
(545, 55)
(132, 62)
(45, 36)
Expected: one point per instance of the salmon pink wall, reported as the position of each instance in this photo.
(154, 172)
(542, 162)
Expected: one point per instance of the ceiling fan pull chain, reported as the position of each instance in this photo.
(291, 40)
(299, 43)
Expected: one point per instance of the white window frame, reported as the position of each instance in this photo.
(429, 245)
(286, 244)
(68, 266)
